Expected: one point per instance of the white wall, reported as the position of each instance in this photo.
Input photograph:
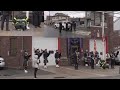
(99, 46)
(116, 25)
(45, 43)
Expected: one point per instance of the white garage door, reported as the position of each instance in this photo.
(45, 43)
(99, 46)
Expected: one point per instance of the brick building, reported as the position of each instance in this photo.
(57, 17)
(95, 26)
(11, 49)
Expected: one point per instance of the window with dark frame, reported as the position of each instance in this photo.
(96, 19)
(13, 46)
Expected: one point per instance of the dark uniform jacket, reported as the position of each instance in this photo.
(45, 55)
(57, 55)
(6, 13)
(76, 58)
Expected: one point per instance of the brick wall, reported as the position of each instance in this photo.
(14, 61)
(64, 60)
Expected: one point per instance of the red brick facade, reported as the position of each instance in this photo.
(22, 43)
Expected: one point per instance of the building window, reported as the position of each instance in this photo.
(13, 46)
(82, 22)
(96, 19)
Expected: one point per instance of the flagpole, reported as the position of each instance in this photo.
(103, 36)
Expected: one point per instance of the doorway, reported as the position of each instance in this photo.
(72, 51)
(73, 45)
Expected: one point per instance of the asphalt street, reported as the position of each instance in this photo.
(106, 77)
(12, 73)
(50, 31)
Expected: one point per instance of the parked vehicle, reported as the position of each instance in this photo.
(2, 63)
(56, 25)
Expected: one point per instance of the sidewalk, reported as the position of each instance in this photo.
(31, 32)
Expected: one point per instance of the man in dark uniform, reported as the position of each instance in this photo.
(57, 58)
(86, 54)
(60, 27)
(74, 26)
(92, 60)
(37, 18)
(71, 26)
(112, 58)
(76, 56)
(45, 56)
(96, 57)
(66, 26)
(5, 17)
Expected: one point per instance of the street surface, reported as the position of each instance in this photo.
(50, 31)
(66, 72)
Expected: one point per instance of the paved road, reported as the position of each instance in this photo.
(13, 73)
(49, 31)
(107, 77)
(67, 72)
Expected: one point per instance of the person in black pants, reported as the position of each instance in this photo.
(71, 26)
(57, 58)
(92, 60)
(74, 26)
(26, 58)
(37, 18)
(45, 56)
(86, 54)
(112, 57)
(76, 59)
(5, 17)
(66, 26)
(60, 27)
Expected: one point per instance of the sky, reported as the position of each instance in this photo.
(76, 13)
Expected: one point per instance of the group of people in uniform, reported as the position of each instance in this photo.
(36, 61)
(68, 26)
(93, 58)
(46, 54)
(5, 16)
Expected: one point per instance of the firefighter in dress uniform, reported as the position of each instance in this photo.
(57, 58)
(45, 56)
(76, 57)
(5, 17)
